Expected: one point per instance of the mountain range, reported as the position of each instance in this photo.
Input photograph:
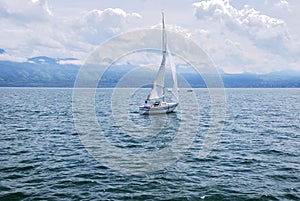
(44, 71)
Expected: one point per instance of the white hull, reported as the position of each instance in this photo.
(161, 108)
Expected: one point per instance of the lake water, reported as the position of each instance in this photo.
(50, 152)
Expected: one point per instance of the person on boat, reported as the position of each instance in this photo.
(146, 103)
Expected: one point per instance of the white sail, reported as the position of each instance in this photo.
(158, 86)
(159, 82)
(174, 77)
(157, 91)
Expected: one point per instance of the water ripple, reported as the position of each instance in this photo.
(257, 157)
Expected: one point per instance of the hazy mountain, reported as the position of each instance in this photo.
(2, 51)
(37, 72)
(56, 72)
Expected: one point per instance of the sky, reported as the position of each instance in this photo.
(256, 36)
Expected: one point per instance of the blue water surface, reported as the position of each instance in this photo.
(257, 156)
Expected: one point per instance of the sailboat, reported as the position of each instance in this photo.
(157, 92)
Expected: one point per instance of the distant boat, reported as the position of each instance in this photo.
(189, 90)
(157, 92)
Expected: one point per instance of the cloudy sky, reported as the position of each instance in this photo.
(257, 36)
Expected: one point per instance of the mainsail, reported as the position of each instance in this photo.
(174, 77)
(159, 83)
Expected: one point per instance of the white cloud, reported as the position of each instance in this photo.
(33, 30)
(246, 20)
(260, 37)
(283, 4)
(7, 57)
(174, 28)
(25, 12)
(244, 39)
(96, 26)
(70, 61)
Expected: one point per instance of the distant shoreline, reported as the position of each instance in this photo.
(51, 74)
(55, 87)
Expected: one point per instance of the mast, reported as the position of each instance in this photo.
(164, 45)
(164, 36)
(157, 90)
